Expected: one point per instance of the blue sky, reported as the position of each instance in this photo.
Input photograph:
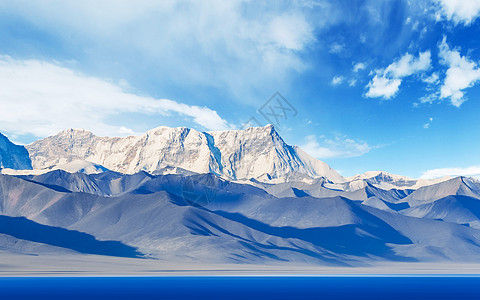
(376, 85)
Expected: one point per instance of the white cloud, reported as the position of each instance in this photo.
(430, 98)
(291, 32)
(473, 171)
(386, 82)
(459, 11)
(236, 46)
(358, 67)
(337, 80)
(415, 26)
(336, 48)
(423, 32)
(432, 79)
(408, 65)
(336, 148)
(363, 38)
(42, 98)
(382, 87)
(462, 73)
(427, 125)
(352, 82)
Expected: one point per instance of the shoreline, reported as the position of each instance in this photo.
(21, 265)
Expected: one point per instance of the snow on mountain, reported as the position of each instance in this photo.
(388, 181)
(81, 166)
(76, 166)
(257, 152)
(321, 189)
(13, 156)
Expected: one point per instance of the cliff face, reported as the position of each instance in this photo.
(13, 156)
(258, 153)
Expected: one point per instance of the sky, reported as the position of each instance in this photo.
(361, 85)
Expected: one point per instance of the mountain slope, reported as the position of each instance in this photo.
(167, 217)
(258, 153)
(462, 186)
(27, 230)
(456, 209)
(13, 156)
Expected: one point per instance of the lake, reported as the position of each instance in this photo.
(242, 287)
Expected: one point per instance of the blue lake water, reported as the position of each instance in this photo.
(212, 287)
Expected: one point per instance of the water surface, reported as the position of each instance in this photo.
(242, 287)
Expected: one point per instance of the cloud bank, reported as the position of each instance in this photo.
(473, 171)
(42, 98)
(237, 47)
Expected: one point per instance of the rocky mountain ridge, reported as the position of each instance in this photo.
(258, 153)
(13, 156)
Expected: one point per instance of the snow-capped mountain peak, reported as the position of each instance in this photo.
(388, 181)
(259, 153)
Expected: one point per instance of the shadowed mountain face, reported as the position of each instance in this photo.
(207, 219)
(13, 156)
(22, 228)
(456, 209)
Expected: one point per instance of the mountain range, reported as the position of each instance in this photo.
(258, 153)
(239, 196)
